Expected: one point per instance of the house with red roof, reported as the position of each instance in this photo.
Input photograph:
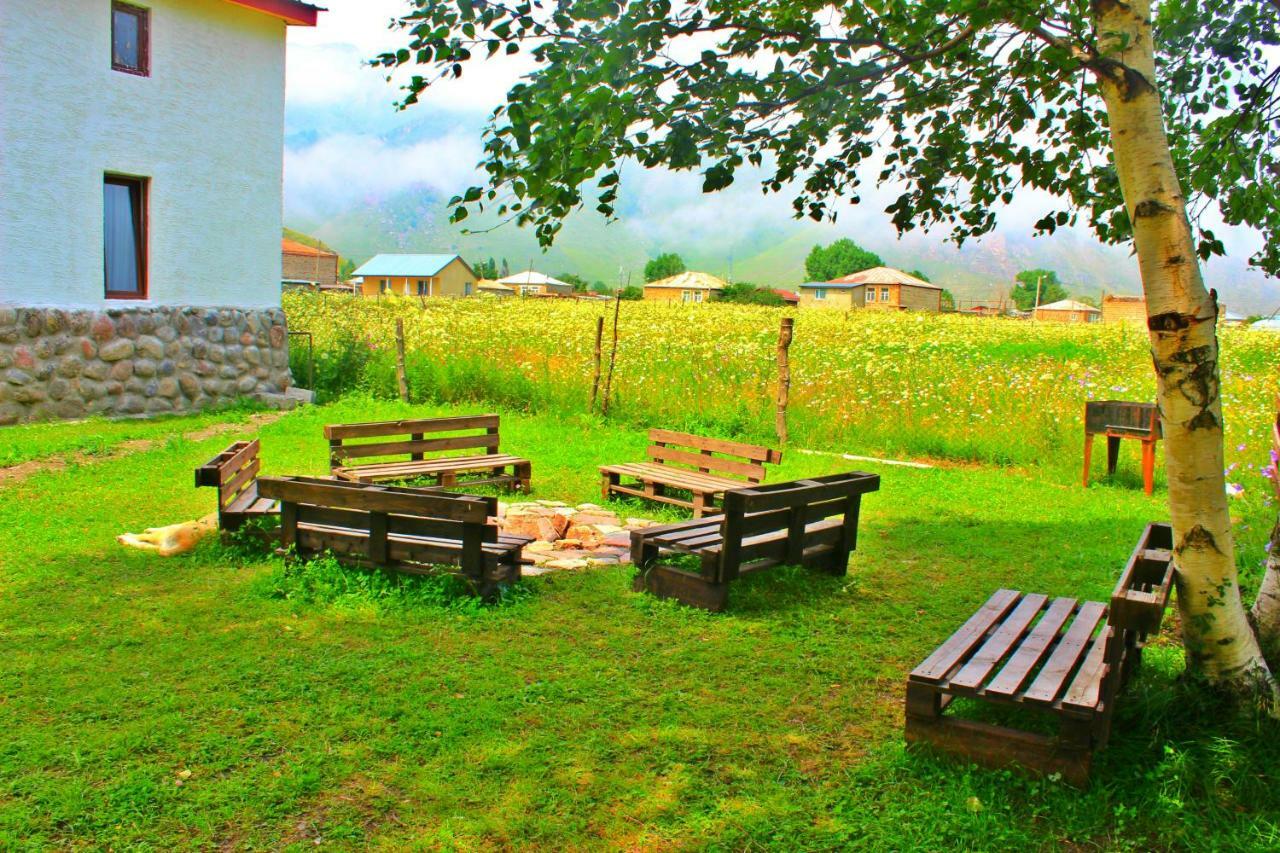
(142, 164)
(307, 266)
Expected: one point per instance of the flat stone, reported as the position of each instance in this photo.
(568, 565)
(150, 347)
(144, 367)
(18, 377)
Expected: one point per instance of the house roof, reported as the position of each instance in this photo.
(1068, 305)
(690, 281)
(491, 284)
(293, 247)
(292, 12)
(532, 277)
(1114, 297)
(787, 295)
(880, 275)
(405, 265)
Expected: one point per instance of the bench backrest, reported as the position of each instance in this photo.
(381, 510)
(232, 472)
(711, 455)
(790, 506)
(1135, 612)
(1124, 416)
(368, 443)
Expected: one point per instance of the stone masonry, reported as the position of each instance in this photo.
(59, 363)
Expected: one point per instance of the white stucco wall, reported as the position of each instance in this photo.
(206, 127)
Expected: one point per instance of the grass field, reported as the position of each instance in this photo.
(217, 701)
(1005, 392)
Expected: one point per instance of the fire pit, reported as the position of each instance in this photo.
(568, 538)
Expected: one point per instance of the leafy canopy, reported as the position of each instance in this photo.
(960, 104)
(1024, 291)
(841, 258)
(746, 293)
(664, 266)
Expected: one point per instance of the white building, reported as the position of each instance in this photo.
(141, 158)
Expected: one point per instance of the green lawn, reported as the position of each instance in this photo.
(149, 703)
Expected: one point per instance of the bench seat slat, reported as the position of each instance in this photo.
(1049, 683)
(990, 653)
(1086, 688)
(499, 548)
(1030, 652)
(669, 475)
(957, 647)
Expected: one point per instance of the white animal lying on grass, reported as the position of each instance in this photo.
(171, 540)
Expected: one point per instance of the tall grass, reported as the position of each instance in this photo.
(943, 386)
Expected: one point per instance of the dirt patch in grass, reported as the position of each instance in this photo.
(23, 470)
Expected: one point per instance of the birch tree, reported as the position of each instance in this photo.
(1133, 124)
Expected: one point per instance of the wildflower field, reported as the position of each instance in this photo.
(948, 387)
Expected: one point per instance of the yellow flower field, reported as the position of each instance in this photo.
(943, 386)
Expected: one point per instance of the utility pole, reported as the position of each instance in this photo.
(1039, 282)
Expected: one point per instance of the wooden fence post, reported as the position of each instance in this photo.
(785, 335)
(613, 354)
(595, 383)
(400, 377)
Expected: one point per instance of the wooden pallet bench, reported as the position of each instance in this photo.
(1066, 658)
(362, 453)
(398, 529)
(1120, 419)
(234, 473)
(705, 468)
(804, 522)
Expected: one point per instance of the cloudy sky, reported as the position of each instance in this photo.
(346, 143)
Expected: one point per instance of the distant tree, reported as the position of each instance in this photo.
(580, 284)
(600, 287)
(841, 258)
(948, 299)
(1024, 292)
(506, 268)
(632, 292)
(1089, 300)
(746, 293)
(920, 275)
(664, 266)
(486, 269)
(346, 267)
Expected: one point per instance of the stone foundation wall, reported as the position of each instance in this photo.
(57, 363)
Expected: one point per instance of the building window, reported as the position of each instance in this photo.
(466, 288)
(130, 39)
(820, 293)
(384, 285)
(424, 287)
(124, 232)
(884, 294)
(871, 294)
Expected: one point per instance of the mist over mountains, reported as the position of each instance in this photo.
(367, 179)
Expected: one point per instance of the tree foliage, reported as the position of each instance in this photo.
(579, 284)
(746, 293)
(664, 266)
(1050, 289)
(631, 293)
(969, 102)
(841, 258)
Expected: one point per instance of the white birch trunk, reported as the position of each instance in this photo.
(1182, 318)
(1266, 607)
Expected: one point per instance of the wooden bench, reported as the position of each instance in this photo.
(398, 529)
(703, 467)
(805, 522)
(1066, 658)
(1120, 419)
(407, 441)
(234, 473)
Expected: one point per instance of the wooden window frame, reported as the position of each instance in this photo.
(819, 293)
(143, 226)
(144, 38)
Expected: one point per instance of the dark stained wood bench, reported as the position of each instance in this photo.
(398, 529)
(362, 453)
(804, 522)
(234, 473)
(1063, 657)
(703, 467)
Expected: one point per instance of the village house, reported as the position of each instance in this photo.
(1124, 309)
(307, 266)
(416, 275)
(691, 287)
(881, 288)
(530, 283)
(1068, 311)
(142, 171)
